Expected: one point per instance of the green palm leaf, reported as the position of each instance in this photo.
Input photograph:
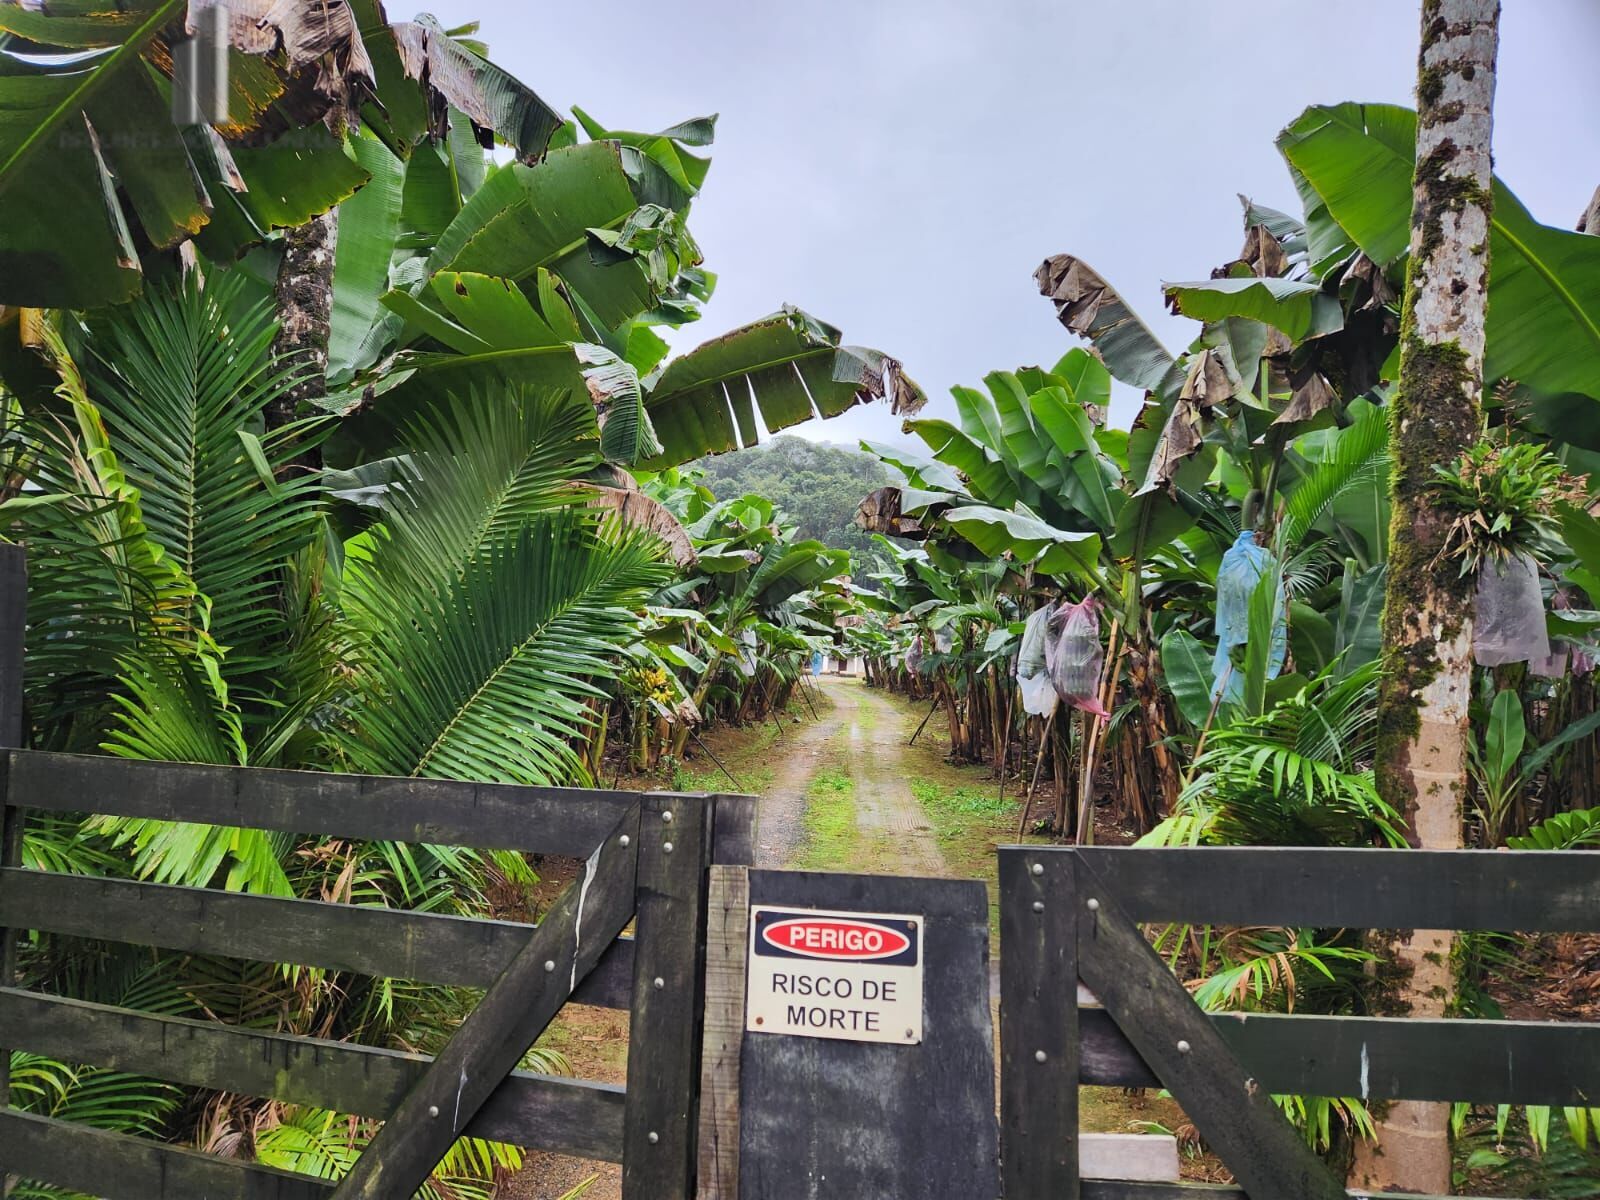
(100, 588)
(181, 379)
(486, 604)
(482, 472)
(484, 676)
(1353, 469)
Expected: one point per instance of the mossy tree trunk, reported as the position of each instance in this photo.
(1427, 624)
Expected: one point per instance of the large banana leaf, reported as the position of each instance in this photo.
(1029, 540)
(789, 568)
(88, 150)
(1544, 283)
(364, 254)
(1186, 667)
(665, 150)
(983, 468)
(65, 238)
(527, 217)
(1298, 307)
(789, 365)
(1358, 634)
(494, 99)
(89, 155)
(507, 281)
(1090, 307)
(923, 473)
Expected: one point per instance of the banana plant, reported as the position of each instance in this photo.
(1504, 768)
(100, 183)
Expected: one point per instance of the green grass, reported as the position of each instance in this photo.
(962, 801)
(832, 838)
(969, 819)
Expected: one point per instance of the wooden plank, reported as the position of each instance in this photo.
(658, 1143)
(513, 1013)
(1107, 1059)
(487, 816)
(13, 624)
(734, 842)
(1231, 1109)
(1380, 1058)
(1525, 890)
(1038, 1027)
(366, 939)
(116, 1167)
(875, 1119)
(727, 937)
(541, 1112)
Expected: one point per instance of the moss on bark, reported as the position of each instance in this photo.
(1433, 415)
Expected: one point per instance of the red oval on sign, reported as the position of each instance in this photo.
(836, 938)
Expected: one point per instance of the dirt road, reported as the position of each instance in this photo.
(865, 736)
(885, 803)
(868, 734)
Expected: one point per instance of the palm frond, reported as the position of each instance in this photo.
(100, 587)
(1358, 458)
(481, 471)
(181, 378)
(485, 675)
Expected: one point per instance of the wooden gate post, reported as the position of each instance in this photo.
(727, 937)
(13, 621)
(1038, 1026)
(658, 1143)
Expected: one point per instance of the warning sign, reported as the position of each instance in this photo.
(847, 975)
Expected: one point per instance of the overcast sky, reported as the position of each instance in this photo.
(899, 169)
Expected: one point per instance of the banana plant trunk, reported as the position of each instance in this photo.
(1435, 415)
(304, 298)
(680, 736)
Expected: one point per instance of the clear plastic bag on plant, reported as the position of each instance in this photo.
(1243, 565)
(1039, 697)
(1074, 656)
(914, 655)
(943, 639)
(1510, 622)
(1567, 656)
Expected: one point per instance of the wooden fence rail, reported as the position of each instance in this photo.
(1070, 914)
(650, 864)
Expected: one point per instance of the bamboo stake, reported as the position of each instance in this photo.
(924, 724)
(1205, 729)
(1096, 734)
(805, 690)
(1038, 765)
(712, 755)
(1005, 741)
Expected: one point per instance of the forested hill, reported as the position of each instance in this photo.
(816, 485)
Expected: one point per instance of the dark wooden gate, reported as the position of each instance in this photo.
(646, 862)
(1071, 914)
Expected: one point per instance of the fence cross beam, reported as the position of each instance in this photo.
(1232, 1111)
(489, 1044)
